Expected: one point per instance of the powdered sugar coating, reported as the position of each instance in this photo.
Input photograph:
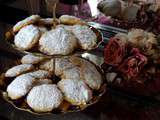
(72, 73)
(29, 20)
(27, 37)
(31, 59)
(88, 72)
(40, 74)
(44, 98)
(20, 86)
(75, 91)
(61, 64)
(86, 37)
(19, 69)
(78, 68)
(91, 75)
(57, 42)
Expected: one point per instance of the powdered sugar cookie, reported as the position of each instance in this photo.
(29, 20)
(75, 91)
(57, 42)
(40, 74)
(19, 69)
(62, 64)
(71, 73)
(44, 98)
(71, 20)
(27, 37)
(91, 75)
(31, 59)
(20, 86)
(78, 68)
(86, 37)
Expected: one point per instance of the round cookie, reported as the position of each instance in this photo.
(29, 20)
(78, 68)
(62, 64)
(88, 72)
(57, 42)
(44, 98)
(75, 91)
(72, 73)
(20, 86)
(19, 69)
(86, 37)
(27, 37)
(91, 75)
(31, 59)
(40, 74)
(70, 20)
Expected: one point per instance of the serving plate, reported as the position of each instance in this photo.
(9, 37)
(65, 107)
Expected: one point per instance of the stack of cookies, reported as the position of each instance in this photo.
(45, 82)
(70, 34)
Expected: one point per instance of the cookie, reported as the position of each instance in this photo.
(19, 69)
(62, 64)
(31, 59)
(20, 86)
(57, 42)
(87, 39)
(71, 73)
(27, 37)
(44, 98)
(75, 91)
(29, 20)
(40, 74)
(78, 68)
(71, 20)
(91, 75)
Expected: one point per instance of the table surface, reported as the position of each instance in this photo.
(114, 105)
